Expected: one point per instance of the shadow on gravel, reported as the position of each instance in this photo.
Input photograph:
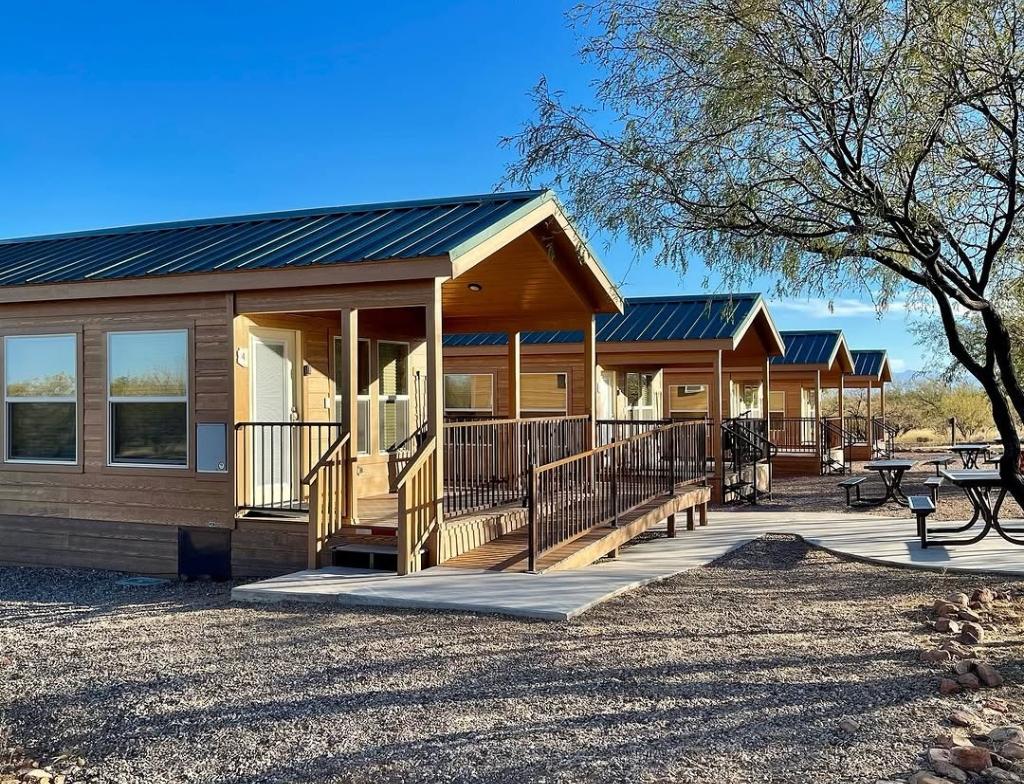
(755, 657)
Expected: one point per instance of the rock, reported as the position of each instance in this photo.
(946, 610)
(948, 740)
(942, 763)
(945, 625)
(849, 725)
(1012, 750)
(999, 776)
(957, 650)
(969, 681)
(36, 774)
(1006, 733)
(968, 615)
(972, 758)
(934, 655)
(948, 686)
(1001, 596)
(989, 675)
(972, 633)
(996, 704)
(60, 778)
(983, 596)
(959, 599)
(924, 777)
(961, 718)
(963, 666)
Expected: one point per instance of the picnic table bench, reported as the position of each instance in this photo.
(852, 483)
(985, 490)
(940, 462)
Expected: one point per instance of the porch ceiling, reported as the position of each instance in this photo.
(523, 285)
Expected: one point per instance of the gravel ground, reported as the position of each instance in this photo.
(737, 672)
(820, 494)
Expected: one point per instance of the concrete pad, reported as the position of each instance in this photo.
(564, 595)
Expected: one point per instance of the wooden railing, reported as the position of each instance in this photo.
(418, 507)
(569, 497)
(883, 438)
(609, 430)
(330, 495)
(486, 463)
(835, 436)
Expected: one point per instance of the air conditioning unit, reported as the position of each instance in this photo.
(689, 389)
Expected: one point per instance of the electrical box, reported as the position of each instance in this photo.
(211, 447)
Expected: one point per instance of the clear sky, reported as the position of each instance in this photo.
(127, 112)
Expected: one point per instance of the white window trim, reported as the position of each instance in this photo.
(490, 383)
(381, 398)
(549, 410)
(63, 399)
(359, 398)
(163, 399)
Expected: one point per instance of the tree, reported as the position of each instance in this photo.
(833, 143)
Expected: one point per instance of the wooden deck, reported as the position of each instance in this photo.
(508, 553)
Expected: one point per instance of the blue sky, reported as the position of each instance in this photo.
(120, 113)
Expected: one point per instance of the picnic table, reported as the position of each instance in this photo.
(970, 453)
(986, 492)
(891, 473)
(940, 463)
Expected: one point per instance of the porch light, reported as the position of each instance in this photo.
(474, 287)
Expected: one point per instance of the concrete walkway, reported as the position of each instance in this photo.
(564, 595)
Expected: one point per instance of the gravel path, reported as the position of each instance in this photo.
(820, 494)
(737, 672)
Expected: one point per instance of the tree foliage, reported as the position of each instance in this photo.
(832, 143)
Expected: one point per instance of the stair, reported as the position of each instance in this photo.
(366, 551)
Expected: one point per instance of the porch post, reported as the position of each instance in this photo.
(435, 411)
(820, 437)
(767, 386)
(514, 369)
(881, 401)
(350, 402)
(590, 378)
(870, 434)
(715, 404)
(842, 400)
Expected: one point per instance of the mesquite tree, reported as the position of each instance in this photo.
(832, 143)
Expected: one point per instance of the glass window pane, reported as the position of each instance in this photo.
(149, 433)
(40, 366)
(148, 364)
(363, 368)
(468, 392)
(42, 431)
(393, 368)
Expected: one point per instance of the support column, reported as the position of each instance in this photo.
(881, 401)
(819, 436)
(767, 386)
(514, 376)
(870, 425)
(350, 402)
(435, 410)
(842, 399)
(715, 412)
(590, 378)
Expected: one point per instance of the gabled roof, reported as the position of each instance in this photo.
(873, 363)
(669, 318)
(331, 235)
(818, 347)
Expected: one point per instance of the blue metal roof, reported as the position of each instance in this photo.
(868, 362)
(332, 235)
(809, 348)
(683, 317)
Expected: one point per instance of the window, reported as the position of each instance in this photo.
(543, 394)
(638, 389)
(41, 397)
(362, 392)
(776, 408)
(466, 393)
(393, 373)
(147, 394)
(688, 401)
(746, 400)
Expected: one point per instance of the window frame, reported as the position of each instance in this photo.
(382, 398)
(546, 411)
(360, 398)
(21, 463)
(456, 411)
(186, 399)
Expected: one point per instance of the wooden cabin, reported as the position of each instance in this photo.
(253, 395)
(873, 437)
(700, 358)
(807, 443)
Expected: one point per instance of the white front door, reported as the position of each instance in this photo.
(606, 395)
(272, 400)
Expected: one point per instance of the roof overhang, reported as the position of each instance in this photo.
(546, 211)
(761, 319)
